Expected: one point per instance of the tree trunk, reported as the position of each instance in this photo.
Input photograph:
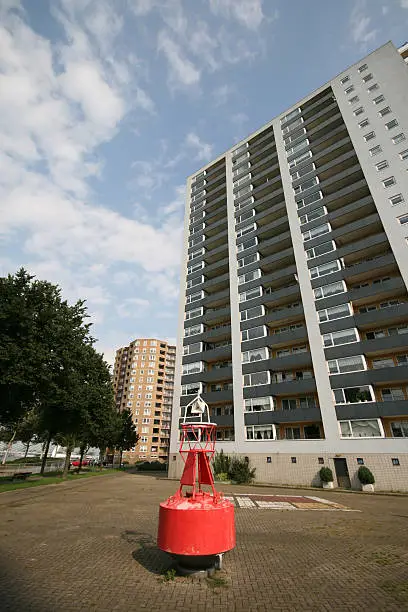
(81, 457)
(45, 455)
(26, 449)
(9, 445)
(70, 448)
(120, 458)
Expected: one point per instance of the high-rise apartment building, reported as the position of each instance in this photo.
(143, 380)
(293, 320)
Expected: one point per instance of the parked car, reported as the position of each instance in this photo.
(75, 463)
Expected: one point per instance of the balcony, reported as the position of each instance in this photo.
(209, 376)
(370, 348)
(372, 410)
(295, 361)
(216, 299)
(216, 253)
(299, 415)
(217, 315)
(289, 388)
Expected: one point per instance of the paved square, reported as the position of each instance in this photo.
(90, 545)
(284, 502)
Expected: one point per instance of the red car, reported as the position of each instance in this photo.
(76, 462)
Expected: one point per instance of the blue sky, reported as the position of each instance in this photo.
(106, 106)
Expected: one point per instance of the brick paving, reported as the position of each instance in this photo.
(90, 545)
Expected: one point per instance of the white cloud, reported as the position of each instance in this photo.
(362, 31)
(248, 13)
(404, 4)
(132, 308)
(222, 94)
(203, 149)
(183, 72)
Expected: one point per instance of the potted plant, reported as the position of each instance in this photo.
(366, 478)
(326, 476)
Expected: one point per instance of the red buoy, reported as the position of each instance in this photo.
(196, 526)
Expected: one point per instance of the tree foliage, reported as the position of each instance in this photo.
(49, 368)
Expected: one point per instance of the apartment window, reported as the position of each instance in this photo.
(256, 379)
(358, 111)
(293, 125)
(258, 404)
(402, 360)
(314, 197)
(193, 368)
(362, 68)
(299, 147)
(292, 433)
(384, 111)
(306, 169)
(240, 149)
(246, 215)
(250, 294)
(403, 219)
(307, 402)
(289, 404)
(399, 429)
(191, 388)
(192, 314)
(255, 355)
(329, 290)
(361, 428)
(199, 265)
(260, 432)
(290, 115)
(369, 136)
(344, 336)
(364, 123)
(391, 124)
(249, 276)
(375, 150)
(381, 165)
(238, 171)
(195, 297)
(252, 313)
(372, 88)
(333, 313)
(388, 182)
(373, 335)
(193, 330)
(246, 230)
(244, 203)
(354, 99)
(328, 268)
(353, 395)
(245, 261)
(404, 154)
(397, 199)
(193, 282)
(242, 180)
(294, 136)
(367, 77)
(300, 158)
(347, 364)
(306, 185)
(243, 191)
(345, 80)
(325, 247)
(316, 231)
(378, 99)
(394, 394)
(254, 332)
(398, 138)
(192, 349)
(247, 244)
(318, 212)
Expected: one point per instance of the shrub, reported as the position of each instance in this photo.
(240, 472)
(365, 475)
(222, 476)
(326, 475)
(152, 466)
(221, 463)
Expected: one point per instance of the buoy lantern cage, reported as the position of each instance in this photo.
(195, 525)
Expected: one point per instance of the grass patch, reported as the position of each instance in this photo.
(399, 590)
(216, 582)
(169, 575)
(47, 479)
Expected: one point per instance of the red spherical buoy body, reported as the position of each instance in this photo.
(198, 526)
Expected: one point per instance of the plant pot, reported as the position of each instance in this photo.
(328, 485)
(367, 488)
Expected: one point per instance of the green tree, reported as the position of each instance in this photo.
(127, 436)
